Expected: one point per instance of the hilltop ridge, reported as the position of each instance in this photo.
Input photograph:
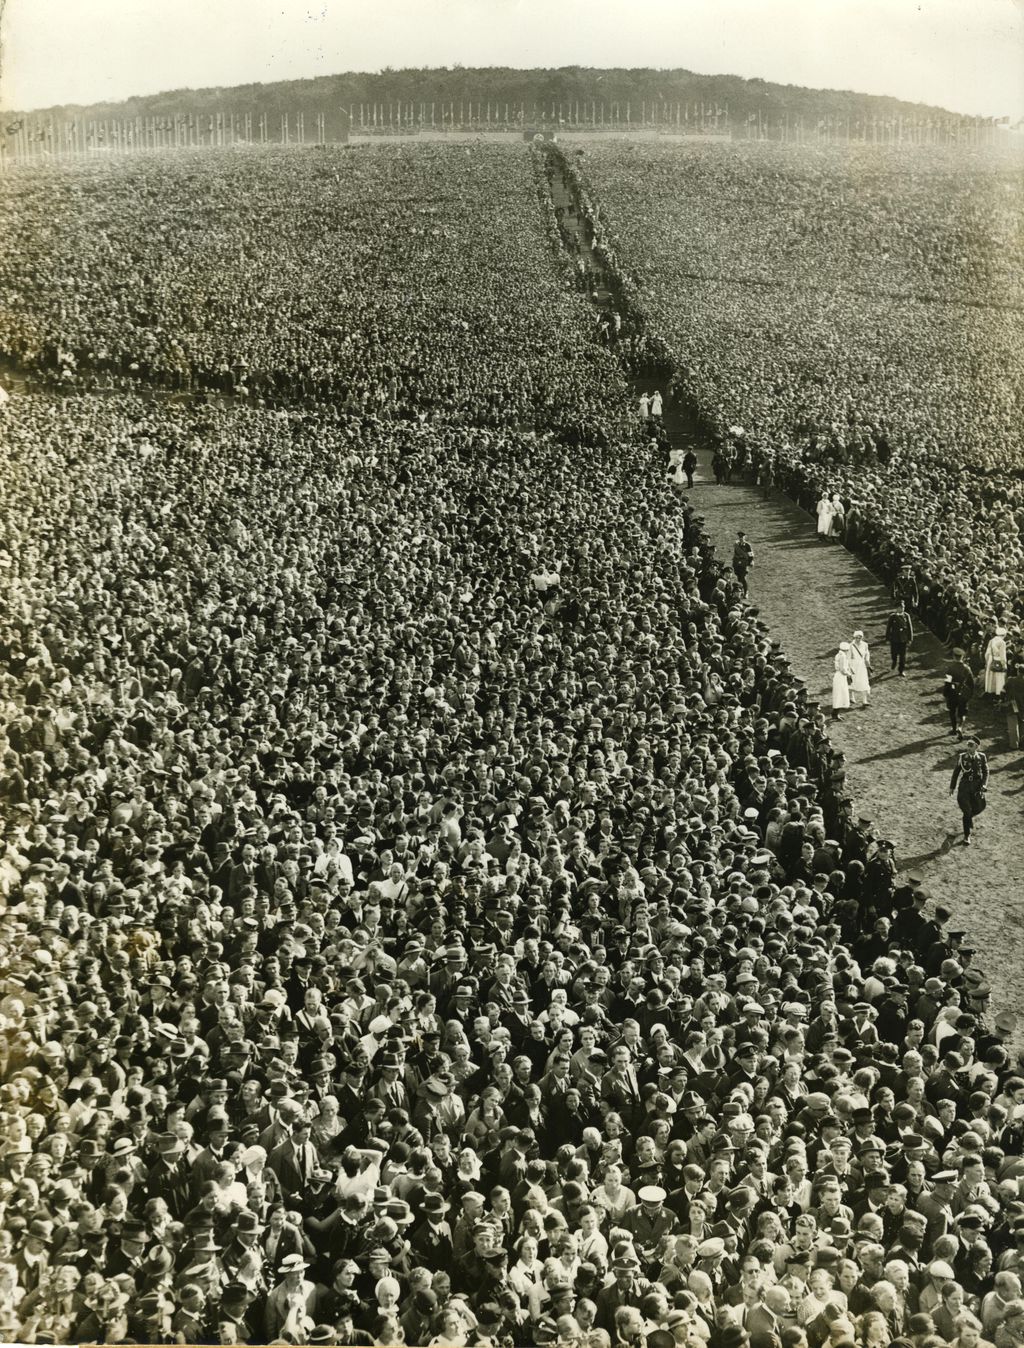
(542, 88)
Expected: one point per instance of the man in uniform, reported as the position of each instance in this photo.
(899, 633)
(628, 1289)
(958, 700)
(649, 1220)
(742, 559)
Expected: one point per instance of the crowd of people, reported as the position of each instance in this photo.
(431, 910)
(450, 927)
(360, 276)
(857, 312)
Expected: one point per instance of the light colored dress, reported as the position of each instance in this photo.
(677, 472)
(824, 516)
(995, 653)
(645, 409)
(860, 667)
(656, 404)
(840, 681)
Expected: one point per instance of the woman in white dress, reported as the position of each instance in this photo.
(526, 1276)
(656, 404)
(995, 663)
(841, 680)
(677, 472)
(824, 515)
(860, 668)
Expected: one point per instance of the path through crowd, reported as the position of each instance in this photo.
(900, 752)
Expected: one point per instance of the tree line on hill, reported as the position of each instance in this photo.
(542, 88)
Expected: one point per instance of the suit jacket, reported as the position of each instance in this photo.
(293, 1165)
(173, 1184)
(289, 1241)
(609, 1299)
(395, 1095)
(433, 1245)
(622, 1094)
(757, 1320)
(205, 1166)
(238, 878)
(273, 1135)
(31, 1275)
(442, 984)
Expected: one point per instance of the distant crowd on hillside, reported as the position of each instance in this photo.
(903, 404)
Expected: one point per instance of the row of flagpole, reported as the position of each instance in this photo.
(36, 137)
(483, 113)
(870, 131)
(42, 137)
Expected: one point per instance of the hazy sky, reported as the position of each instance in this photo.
(962, 54)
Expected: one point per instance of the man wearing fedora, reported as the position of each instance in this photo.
(245, 1234)
(33, 1259)
(389, 1087)
(232, 1316)
(447, 975)
(124, 1155)
(431, 1240)
(130, 1254)
(426, 1113)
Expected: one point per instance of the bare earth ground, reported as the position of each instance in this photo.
(899, 751)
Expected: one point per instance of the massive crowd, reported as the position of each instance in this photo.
(395, 281)
(431, 912)
(857, 312)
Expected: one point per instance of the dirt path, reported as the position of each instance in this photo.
(899, 751)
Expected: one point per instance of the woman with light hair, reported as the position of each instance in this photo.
(886, 1299)
(328, 1123)
(526, 1276)
(629, 1327)
(872, 1330)
(819, 1295)
(968, 1332)
(860, 667)
(251, 1272)
(995, 664)
(897, 1272)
